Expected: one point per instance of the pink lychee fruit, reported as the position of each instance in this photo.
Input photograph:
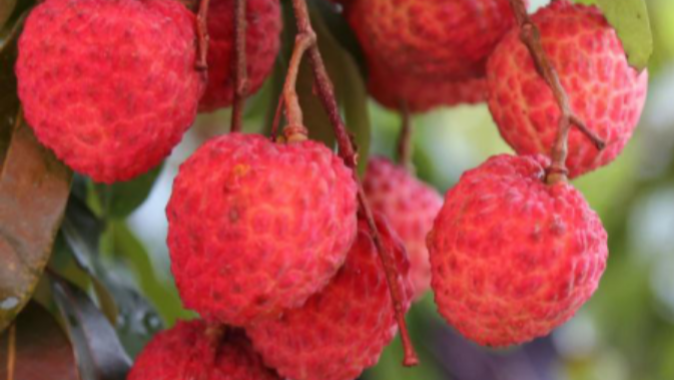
(343, 329)
(109, 85)
(428, 53)
(263, 35)
(512, 257)
(603, 90)
(257, 227)
(188, 351)
(410, 206)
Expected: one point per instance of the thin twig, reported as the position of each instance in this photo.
(325, 92)
(240, 71)
(11, 351)
(202, 35)
(531, 37)
(405, 137)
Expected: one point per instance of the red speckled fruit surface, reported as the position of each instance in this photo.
(410, 206)
(185, 352)
(512, 258)
(109, 85)
(257, 227)
(423, 51)
(604, 91)
(263, 31)
(343, 329)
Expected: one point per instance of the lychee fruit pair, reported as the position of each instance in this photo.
(410, 206)
(190, 351)
(428, 53)
(263, 34)
(109, 86)
(343, 329)
(513, 257)
(603, 90)
(256, 227)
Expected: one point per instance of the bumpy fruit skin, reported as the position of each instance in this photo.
(186, 352)
(604, 91)
(410, 206)
(109, 85)
(428, 48)
(512, 258)
(343, 329)
(257, 227)
(263, 18)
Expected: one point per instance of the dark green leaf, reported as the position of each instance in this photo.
(41, 349)
(99, 353)
(122, 198)
(630, 19)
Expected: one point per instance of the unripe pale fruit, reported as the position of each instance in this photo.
(410, 206)
(187, 352)
(263, 32)
(257, 227)
(343, 329)
(109, 85)
(512, 257)
(427, 48)
(604, 91)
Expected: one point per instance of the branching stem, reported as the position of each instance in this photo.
(240, 71)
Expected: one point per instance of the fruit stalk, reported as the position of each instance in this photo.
(240, 72)
(530, 36)
(405, 138)
(202, 35)
(325, 92)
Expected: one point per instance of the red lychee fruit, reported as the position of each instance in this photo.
(433, 49)
(257, 227)
(604, 91)
(343, 329)
(410, 206)
(187, 352)
(109, 85)
(512, 258)
(263, 34)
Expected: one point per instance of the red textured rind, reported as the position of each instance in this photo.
(428, 53)
(257, 227)
(109, 86)
(604, 91)
(343, 329)
(410, 206)
(263, 31)
(186, 352)
(512, 258)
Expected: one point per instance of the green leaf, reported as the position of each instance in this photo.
(122, 198)
(41, 348)
(630, 19)
(99, 353)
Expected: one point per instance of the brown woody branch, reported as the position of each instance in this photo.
(202, 37)
(530, 36)
(240, 71)
(326, 94)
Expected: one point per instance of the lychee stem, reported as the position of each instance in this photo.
(405, 138)
(531, 37)
(202, 35)
(326, 94)
(240, 71)
(303, 41)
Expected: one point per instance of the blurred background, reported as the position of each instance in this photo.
(626, 331)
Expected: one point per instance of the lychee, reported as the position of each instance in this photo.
(257, 227)
(344, 328)
(410, 206)
(512, 257)
(109, 85)
(433, 48)
(263, 34)
(187, 351)
(604, 91)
